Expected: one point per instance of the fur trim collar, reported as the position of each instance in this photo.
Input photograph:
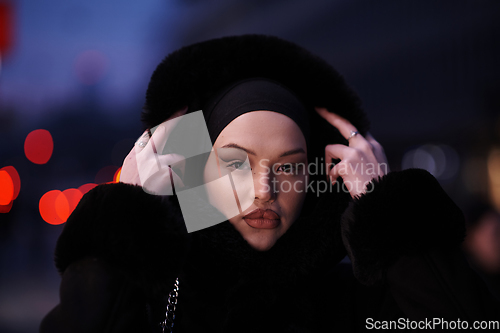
(224, 274)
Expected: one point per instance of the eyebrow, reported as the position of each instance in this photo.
(251, 152)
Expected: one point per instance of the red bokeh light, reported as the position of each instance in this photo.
(16, 180)
(56, 206)
(6, 208)
(61, 205)
(39, 146)
(73, 197)
(86, 187)
(6, 188)
(6, 26)
(106, 174)
(48, 209)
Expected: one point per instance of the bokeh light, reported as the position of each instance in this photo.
(48, 210)
(106, 174)
(86, 187)
(6, 208)
(475, 175)
(16, 180)
(441, 161)
(38, 146)
(73, 197)
(6, 27)
(62, 206)
(493, 164)
(6, 188)
(56, 206)
(116, 177)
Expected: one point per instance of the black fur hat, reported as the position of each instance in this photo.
(193, 74)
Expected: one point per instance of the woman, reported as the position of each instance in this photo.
(272, 111)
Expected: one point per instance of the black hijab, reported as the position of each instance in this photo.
(224, 268)
(252, 95)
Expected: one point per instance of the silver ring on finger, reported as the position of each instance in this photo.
(353, 134)
(143, 140)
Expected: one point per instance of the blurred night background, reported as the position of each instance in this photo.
(427, 71)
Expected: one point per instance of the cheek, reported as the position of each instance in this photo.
(219, 190)
(292, 195)
(221, 196)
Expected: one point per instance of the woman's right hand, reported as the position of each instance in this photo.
(146, 167)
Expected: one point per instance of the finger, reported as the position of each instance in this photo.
(163, 182)
(376, 147)
(133, 169)
(147, 159)
(336, 151)
(143, 140)
(334, 174)
(378, 152)
(152, 165)
(343, 125)
(355, 185)
(348, 131)
(174, 161)
(129, 173)
(178, 183)
(160, 133)
(369, 137)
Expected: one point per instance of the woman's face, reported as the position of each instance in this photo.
(277, 155)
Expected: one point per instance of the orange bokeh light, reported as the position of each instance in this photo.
(61, 205)
(6, 188)
(38, 146)
(48, 209)
(116, 177)
(73, 197)
(16, 180)
(56, 206)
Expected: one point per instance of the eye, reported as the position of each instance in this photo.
(286, 168)
(291, 169)
(240, 165)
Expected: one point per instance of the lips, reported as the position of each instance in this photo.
(267, 214)
(263, 219)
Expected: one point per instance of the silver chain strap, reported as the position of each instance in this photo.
(168, 324)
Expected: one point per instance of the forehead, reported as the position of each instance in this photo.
(263, 130)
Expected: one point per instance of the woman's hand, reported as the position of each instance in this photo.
(360, 162)
(144, 166)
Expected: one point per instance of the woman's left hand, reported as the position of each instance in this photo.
(147, 167)
(360, 162)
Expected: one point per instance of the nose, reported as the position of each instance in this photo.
(264, 186)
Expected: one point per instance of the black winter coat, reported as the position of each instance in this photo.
(121, 250)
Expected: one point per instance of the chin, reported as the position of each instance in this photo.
(261, 244)
(263, 240)
(258, 239)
